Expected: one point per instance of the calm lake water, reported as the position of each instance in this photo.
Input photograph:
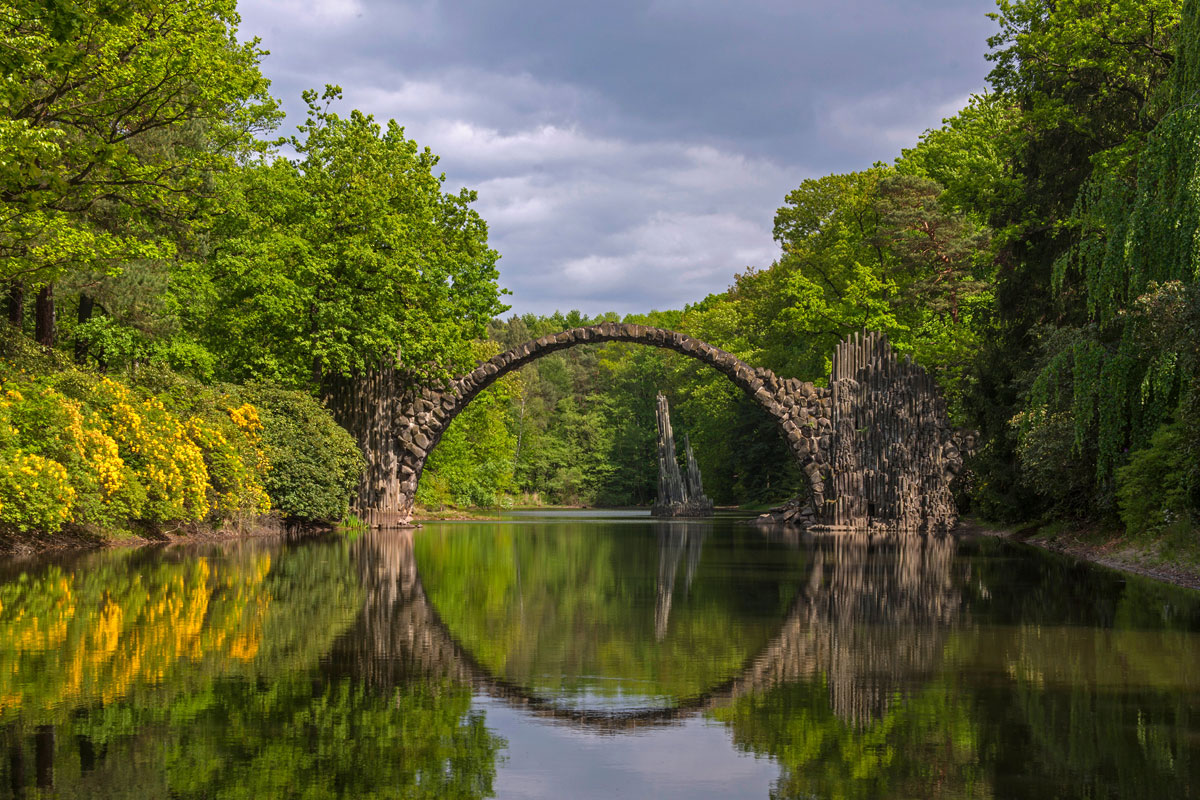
(595, 655)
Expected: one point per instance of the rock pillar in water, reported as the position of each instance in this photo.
(677, 496)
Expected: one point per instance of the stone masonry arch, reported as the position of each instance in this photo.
(800, 409)
(875, 445)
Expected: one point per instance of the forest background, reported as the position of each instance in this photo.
(1037, 253)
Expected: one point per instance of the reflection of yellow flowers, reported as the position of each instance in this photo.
(108, 630)
(245, 646)
(136, 632)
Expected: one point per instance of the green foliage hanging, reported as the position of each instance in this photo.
(1137, 228)
(1152, 489)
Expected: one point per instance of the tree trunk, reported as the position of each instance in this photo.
(44, 756)
(16, 303)
(44, 328)
(86, 305)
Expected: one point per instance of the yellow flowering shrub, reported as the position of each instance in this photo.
(57, 427)
(234, 474)
(155, 443)
(87, 450)
(164, 450)
(10, 436)
(54, 426)
(34, 492)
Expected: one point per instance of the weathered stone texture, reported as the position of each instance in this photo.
(679, 494)
(875, 445)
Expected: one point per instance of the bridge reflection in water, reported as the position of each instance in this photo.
(863, 666)
(869, 619)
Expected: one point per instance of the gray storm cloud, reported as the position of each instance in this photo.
(631, 155)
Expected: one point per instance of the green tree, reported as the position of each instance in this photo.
(345, 257)
(345, 269)
(1132, 267)
(971, 156)
(113, 118)
(1089, 82)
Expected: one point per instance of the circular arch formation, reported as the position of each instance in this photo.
(801, 410)
(821, 633)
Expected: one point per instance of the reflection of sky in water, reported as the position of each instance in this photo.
(597, 693)
(691, 759)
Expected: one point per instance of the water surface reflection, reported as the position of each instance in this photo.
(556, 656)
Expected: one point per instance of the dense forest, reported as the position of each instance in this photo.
(180, 278)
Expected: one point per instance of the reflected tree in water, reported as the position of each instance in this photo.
(280, 722)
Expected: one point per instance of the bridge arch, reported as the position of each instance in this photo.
(875, 444)
(801, 410)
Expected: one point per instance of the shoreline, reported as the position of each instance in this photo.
(1117, 553)
(17, 546)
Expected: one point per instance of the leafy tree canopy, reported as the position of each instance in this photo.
(113, 118)
(345, 256)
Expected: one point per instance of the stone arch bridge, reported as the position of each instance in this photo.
(875, 444)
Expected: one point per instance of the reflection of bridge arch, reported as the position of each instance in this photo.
(865, 623)
(876, 446)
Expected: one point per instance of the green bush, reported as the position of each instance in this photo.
(1152, 489)
(315, 464)
(1052, 463)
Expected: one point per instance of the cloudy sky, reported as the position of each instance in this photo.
(630, 154)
